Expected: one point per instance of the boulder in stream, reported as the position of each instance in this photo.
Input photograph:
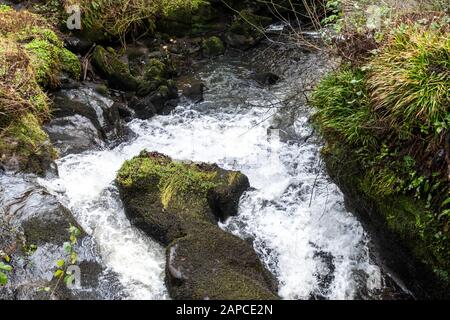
(34, 232)
(194, 91)
(179, 204)
(266, 78)
(116, 71)
(83, 119)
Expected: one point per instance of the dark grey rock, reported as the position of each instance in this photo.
(83, 120)
(34, 226)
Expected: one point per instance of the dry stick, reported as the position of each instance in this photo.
(315, 182)
(325, 206)
(86, 59)
(255, 125)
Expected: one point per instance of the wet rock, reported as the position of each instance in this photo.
(73, 134)
(83, 119)
(212, 47)
(125, 112)
(266, 78)
(77, 45)
(194, 91)
(213, 264)
(142, 108)
(66, 82)
(34, 226)
(161, 101)
(179, 204)
(117, 72)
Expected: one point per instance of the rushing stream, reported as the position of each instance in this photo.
(294, 213)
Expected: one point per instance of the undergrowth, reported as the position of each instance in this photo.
(31, 59)
(118, 18)
(390, 108)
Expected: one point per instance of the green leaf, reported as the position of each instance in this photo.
(73, 257)
(69, 279)
(58, 273)
(445, 202)
(60, 263)
(67, 247)
(5, 267)
(3, 279)
(74, 231)
(73, 239)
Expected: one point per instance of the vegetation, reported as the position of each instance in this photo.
(4, 268)
(63, 264)
(178, 204)
(386, 112)
(31, 59)
(177, 182)
(213, 46)
(105, 19)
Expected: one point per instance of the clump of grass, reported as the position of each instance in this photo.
(343, 107)
(388, 115)
(409, 79)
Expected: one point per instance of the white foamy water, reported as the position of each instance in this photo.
(295, 214)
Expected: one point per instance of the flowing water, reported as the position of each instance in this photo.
(294, 213)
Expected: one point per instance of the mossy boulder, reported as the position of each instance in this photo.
(179, 204)
(24, 146)
(23, 106)
(157, 75)
(32, 58)
(405, 241)
(48, 58)
(193, 17)
(34, 230)
(212, 46)
(209, 263)
(246, 30)
(169, 196)
(117, 72)
(46, 51)
(156, 91)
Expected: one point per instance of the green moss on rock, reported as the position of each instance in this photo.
(116, 71)
(404, 226)
(213, 46)
(155, 70)
(178, 204)
(46, 51)
(31, 58)
(156, 78)
(174, 182)
(24, 146)
(48, 59)
(187, 18)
